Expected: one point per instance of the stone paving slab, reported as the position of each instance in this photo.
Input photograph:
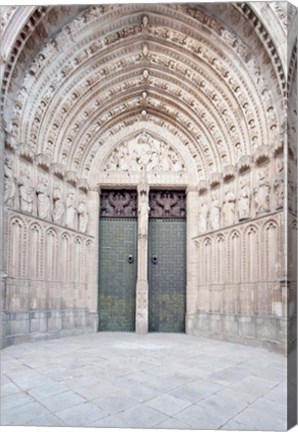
(161, 381)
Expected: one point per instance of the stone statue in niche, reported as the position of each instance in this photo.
(83, 216)
(144, 152)
(203, 217)
(9, 182)
(26, 192)
(262, 192)
(143, 211)
(279, 185)
(70, 210)
(215, 212)
(229, 208)
(59, 206)
(244, 200)
(43, 199)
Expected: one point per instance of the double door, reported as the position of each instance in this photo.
(118, 261)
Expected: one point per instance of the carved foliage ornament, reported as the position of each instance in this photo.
(144, 152)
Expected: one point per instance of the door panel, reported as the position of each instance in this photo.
(167, 274)
(117, 260)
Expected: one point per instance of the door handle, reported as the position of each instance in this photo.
(154, 259)
(130, 259)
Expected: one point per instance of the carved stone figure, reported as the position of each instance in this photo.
(203, 217)
(262, 192)
(83, 217)
(70, 210)
(144, 152)
(229, 208)
(279, 185)
(244, 200)
(26, 192)
(59, 206)
(9, 182)
(143, 211)
(215, 213)
(43, 200)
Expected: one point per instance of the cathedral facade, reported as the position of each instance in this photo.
(149, 164)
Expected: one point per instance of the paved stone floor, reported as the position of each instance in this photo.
(159, 381)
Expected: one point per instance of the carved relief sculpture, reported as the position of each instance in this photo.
(279, 185)
(215, 213)
(43, 200)
(262, 192)
(59, 206)
(70, 210)
(203, 217)
(121, 203)
(83, 217)
(244, 200)
(144, 152)
(229, 208)
(9, 182)
(26, 192)
(167, 203)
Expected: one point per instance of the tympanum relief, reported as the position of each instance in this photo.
(144, 152)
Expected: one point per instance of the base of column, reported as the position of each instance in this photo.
(142, 307)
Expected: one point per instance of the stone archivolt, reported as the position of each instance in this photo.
(218, 108)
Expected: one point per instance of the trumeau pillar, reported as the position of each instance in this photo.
(142, 271)
(192, 204)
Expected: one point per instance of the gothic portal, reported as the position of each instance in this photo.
(149, 170)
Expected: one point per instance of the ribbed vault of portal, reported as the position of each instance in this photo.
(171, 65)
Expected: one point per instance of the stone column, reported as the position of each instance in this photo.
(93, 229)
(142, 271)
(192, 207)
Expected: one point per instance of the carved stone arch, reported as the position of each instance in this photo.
(271, 258)
(250, 253)
(17, 251)
(234, 253)
(66, 256)
(97, 169)
(35, 251)
(51, 254)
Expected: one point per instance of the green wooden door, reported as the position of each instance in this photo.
(117, 271)
(167, 272)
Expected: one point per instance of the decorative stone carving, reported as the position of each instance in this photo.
(203, 186)
(229, 172)
(71, 178)
(43, 161)
(262, 154)
(214, 220)
(229, 208)
(244, 199)
(167, 203)
(262, 192)
(215, 179)
(244, 163)
(70, 213)
(120, 203)
(58, 170)
(59, 206)
(144, 152)
(203, 217)
(83, 184)
(278, 185)
(26, 152)
(83, 216)
(43, 199)
(26, 191)
(9, 181)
